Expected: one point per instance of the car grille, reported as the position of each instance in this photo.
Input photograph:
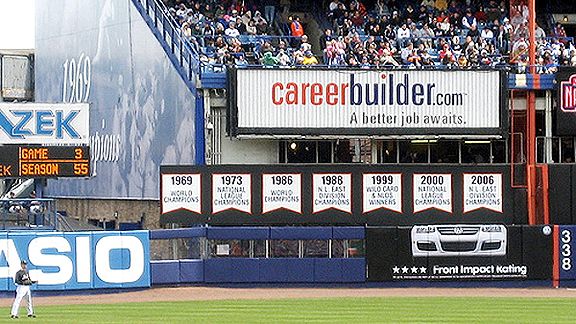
(458, 246)
(487, 246)
(458, 230)
(426, 246)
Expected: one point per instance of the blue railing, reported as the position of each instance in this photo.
(186, 55)
(29, 213)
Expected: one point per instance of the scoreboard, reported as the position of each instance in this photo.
(44, 161)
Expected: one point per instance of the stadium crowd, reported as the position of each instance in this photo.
(392, 33)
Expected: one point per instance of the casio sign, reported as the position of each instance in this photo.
(78, 260)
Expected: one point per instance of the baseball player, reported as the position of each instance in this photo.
(23, 283)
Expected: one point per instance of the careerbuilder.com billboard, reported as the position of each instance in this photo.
(362, 102)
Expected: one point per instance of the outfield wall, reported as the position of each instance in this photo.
(527, 254)
(389, 255)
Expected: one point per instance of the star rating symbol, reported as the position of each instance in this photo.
(404, 269)
(414, 269)
(422, 269)
(396, 269)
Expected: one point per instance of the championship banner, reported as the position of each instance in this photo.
(382, 190)
(332, 190)
(282, 191)
(432, 191)
(231, 191)
(566, 108)
(346, 102)
(482, 190)
(181, 191)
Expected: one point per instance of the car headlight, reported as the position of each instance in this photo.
(425, 229)
(492, 228)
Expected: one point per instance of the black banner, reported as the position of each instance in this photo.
(459, 252)
(354, 195)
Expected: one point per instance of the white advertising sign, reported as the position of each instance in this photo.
(382, 190)
(332, 190)
(402, 102)
(282, 191)
(40, 123)
(482, 190)
(232, 191)
(181, 191)
(432, 191)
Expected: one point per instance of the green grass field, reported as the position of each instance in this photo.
(321, 310)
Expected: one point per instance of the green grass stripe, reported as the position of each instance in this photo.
(319, 310)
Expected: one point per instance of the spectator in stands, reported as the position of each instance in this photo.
(269, 10)
(231, 31)
(13, 206)
(426, 58)
(462, 61)
(261, 23)
(240, 26)
(559, 31)
(369, 36)
(441, 5)
(382, 8)
(406, 52)
(246, 17)
(298, 57)
(251, 28)
(269, 60)
(403, 35)
(6, 202)
(414, 59)
(449, 60)
(283, 58)
(480, 15)
(333, 6)
(296, 26)
(309, 58)
(241, 60)
(304, 45)
(572, 58)
(493, 11)
(469, 21)
(326, 38)
(186, 30)
(539, 33)
(487, 34)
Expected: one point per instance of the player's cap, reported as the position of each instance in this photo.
(23, 262)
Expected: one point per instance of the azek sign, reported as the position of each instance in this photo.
(80, 260)
(399, 102)
(32, 123)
